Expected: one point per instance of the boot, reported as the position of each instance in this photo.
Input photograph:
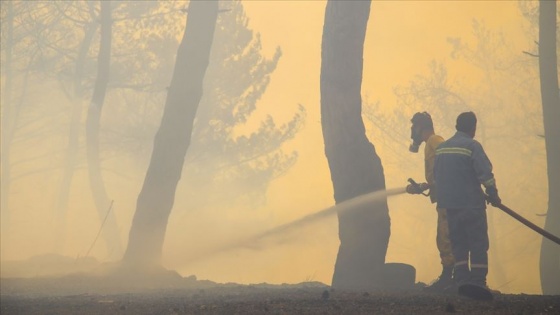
(443, 282)
(476, 291)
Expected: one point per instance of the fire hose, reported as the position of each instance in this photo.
(529, 224)
(515, 215)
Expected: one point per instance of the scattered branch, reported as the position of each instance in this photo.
(530, 54)
(100, 228)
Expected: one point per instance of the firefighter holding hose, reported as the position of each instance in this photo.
(422, 130)
(461, 168)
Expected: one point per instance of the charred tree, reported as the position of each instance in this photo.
(173, 138)
(548, 68)
(110, 231)
(354, 164)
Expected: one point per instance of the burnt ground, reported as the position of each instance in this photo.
(82, 294)
(89, 287)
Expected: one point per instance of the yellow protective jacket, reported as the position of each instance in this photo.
(429, 157)
(442, 236)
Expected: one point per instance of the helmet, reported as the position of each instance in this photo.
(423, 120)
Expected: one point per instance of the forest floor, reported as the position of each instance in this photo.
(87, 295)
(92, 288)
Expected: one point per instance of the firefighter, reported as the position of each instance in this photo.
(422, 130)
(461, 167)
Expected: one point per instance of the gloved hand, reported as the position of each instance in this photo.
(417, 189)
(492, 196)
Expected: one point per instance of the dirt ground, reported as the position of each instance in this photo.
(177, 295)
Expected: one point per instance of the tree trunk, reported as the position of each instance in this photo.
(110, 231)
(550, 252)
(6, 134)
(173, 138)
(355, 167)
(73, 140)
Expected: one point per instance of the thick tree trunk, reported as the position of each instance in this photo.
(7, 130)
(550, 252)
(172, 140)
(110, 231)
(69, 165)
(355, 167)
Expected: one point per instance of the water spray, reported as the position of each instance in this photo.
(251, 242)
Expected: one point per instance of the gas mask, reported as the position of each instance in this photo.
(416, 136)
(420, 122)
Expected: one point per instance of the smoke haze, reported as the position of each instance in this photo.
(278, 236)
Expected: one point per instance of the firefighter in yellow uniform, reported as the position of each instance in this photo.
(422, 130)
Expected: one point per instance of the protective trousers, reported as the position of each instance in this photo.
(468, 232)
(442, 239)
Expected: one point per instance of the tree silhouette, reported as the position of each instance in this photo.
(548, 67)
(355, 167)
(173, 138)
(93, 121)
(7, 111)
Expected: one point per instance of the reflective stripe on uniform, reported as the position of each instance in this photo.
(463, 262)
(455, 150)
(479, 266)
